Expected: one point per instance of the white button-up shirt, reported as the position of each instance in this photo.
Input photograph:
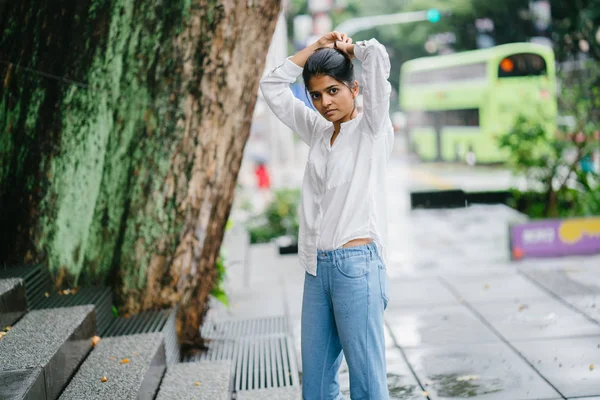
(343, 189)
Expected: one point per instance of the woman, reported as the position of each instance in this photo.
(343, 225)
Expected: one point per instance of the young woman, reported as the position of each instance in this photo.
(343, 225)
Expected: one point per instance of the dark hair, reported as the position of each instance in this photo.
(331, 62)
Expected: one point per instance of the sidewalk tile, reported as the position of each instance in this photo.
(513, 288)
(490, 372)
(571, 365)
(437, 325)
(426, 292)
(536, 319)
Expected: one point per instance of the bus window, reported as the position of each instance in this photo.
(525, 64)
(448, 74)
(468, 117)
(465, 117)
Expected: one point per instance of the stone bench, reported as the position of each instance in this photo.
(149, 322)
(52, 341)
(197, 381)
(13, 301)
(123, 367)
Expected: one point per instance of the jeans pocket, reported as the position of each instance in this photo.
(383, 285)
(354, 266)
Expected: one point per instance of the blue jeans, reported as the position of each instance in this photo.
(342, 310)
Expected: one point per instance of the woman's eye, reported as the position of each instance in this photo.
(315, 96)
(333, 91)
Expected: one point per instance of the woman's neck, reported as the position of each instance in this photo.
(338, 124)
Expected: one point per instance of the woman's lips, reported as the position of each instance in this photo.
(330, 112)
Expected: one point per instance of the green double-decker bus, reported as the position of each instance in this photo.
(458, 104)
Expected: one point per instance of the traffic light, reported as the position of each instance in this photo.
(433, 15)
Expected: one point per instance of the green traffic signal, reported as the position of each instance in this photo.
(433, 15)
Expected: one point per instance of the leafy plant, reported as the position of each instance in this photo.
(218, 291)
(280, 218)
(561, 179)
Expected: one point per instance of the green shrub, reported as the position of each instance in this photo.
(280, 218)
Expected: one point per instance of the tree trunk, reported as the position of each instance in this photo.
(122, 128)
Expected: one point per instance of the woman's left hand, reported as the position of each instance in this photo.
(345, 46)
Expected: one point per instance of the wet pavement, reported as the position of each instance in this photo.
(463, 320)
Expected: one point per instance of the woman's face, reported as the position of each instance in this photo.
(333, 99)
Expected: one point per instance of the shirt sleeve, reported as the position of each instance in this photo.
(275, 87)
(376, 87)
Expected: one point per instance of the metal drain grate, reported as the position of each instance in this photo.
(245, 328)
(261, 350)
(100, 297)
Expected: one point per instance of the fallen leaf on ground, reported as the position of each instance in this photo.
(125, 361)
(486, 286)
(112, 358)
(424, 394)
(104, 379)
(95, 340)
(592, 367)
(523, 306)
(197, 383)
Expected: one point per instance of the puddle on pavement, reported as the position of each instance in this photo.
(451, 386)
(398, 390)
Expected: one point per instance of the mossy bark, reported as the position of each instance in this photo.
(122, 128)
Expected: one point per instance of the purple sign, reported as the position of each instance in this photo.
(555, 237)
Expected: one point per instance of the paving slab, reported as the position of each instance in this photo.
(437, 325)
(133, 366)
(55, 340)
(23, 384)
(513, 288)
(210, 380)
(576, 280)
(271, 394)
(262, 301)
(536, 319)
(13, 301)
(401, 382)
(486, 371)
(571, 365)
(587, 304)
(426, 292)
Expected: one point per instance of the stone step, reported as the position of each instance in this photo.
(23, 384)
(54, 341)
(197, 381)
(149, 322)
(13, 301)
(288, 393)
(36, 278)
(123, 367)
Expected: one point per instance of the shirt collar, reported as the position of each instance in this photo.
(345, 126)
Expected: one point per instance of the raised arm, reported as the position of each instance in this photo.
(376, 87)
(275, 86)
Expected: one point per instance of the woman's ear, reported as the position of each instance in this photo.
(355, 89)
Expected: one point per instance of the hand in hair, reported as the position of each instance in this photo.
(337, 40)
